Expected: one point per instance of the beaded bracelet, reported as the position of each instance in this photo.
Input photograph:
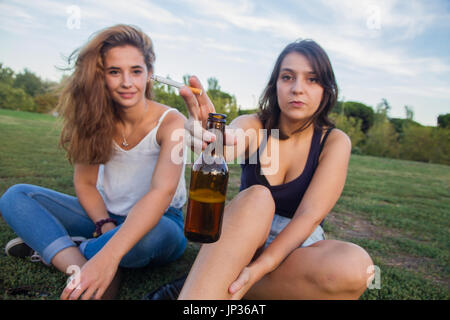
(99, 224)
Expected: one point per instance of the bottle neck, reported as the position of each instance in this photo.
(218, 128)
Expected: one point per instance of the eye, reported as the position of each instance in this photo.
(313, 80)
(137, 71)
(113, 72)
(286, 77)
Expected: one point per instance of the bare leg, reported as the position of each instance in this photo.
(246, 225)
(68, 257)
(72, 256)
(328, 269)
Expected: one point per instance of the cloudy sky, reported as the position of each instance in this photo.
(393, 49)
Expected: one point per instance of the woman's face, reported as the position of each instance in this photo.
(298, 90)
(126, 75)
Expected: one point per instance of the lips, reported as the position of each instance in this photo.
(127, 95)
(297, 103)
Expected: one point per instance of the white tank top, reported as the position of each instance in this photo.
(126, 177)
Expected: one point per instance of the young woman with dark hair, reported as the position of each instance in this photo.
(272, 244)
(128, 189)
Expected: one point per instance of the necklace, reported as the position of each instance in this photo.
(125, 144)
(124, 141)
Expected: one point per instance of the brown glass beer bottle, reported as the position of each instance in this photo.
(208, 187)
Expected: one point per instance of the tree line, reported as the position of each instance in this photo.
(372, 131)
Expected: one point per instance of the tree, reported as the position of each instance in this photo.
(45, 102)
(356, 110)
(443, 120)
(213, 84)
(15, 98)
(186, 79)
(167, 95)
(247, 111)
(383, 108)
(6, 75)
(426, 144)
(409, 113)
(11, 97)
(223, 102)
(400, 124)
(382, 139)
(29, 82)
(352, 127)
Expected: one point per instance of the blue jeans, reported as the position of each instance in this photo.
(46, 219)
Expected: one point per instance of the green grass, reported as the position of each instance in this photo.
(397, 210)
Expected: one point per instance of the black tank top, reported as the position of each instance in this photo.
(287, 196)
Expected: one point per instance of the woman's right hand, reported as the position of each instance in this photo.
(199, 107)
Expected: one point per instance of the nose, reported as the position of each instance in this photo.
(126, 80)
(297, 86)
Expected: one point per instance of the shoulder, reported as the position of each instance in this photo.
(172, 117)
(247, 121)
(173, 120)
(338, 142)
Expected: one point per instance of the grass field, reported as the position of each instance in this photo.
(399, 211)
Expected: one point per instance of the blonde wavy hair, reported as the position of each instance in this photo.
(89, 113)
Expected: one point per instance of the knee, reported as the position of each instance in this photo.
(10, 195)
(351, 274)
(14, 190)
(256, 203)
(261, 197)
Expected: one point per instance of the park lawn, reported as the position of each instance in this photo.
(397, 210)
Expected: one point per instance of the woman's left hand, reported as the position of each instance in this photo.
(246, 279)
(92, 281)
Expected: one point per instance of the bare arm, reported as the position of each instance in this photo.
(85, 182)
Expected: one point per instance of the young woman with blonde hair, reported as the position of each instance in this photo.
(129, 192)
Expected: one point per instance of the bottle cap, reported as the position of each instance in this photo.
(217, 117)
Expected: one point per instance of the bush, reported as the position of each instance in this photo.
(352, 127)
(15, 98)
(356, 110)
(45, 102)
(426, 144)
(381, 139)
(443, 120)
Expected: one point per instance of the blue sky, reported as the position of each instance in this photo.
(393, 49)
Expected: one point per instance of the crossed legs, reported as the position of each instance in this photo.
(328, 269)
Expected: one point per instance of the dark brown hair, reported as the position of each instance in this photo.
(269, 110)
(89, 112)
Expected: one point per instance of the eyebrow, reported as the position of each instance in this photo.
(117, 68)
(290, 70)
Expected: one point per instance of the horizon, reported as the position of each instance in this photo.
(379, 50)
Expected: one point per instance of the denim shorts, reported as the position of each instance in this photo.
(280, 222)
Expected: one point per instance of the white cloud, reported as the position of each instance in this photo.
(240, 14)
(136, 9)
(408, 19)
(350, 43)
